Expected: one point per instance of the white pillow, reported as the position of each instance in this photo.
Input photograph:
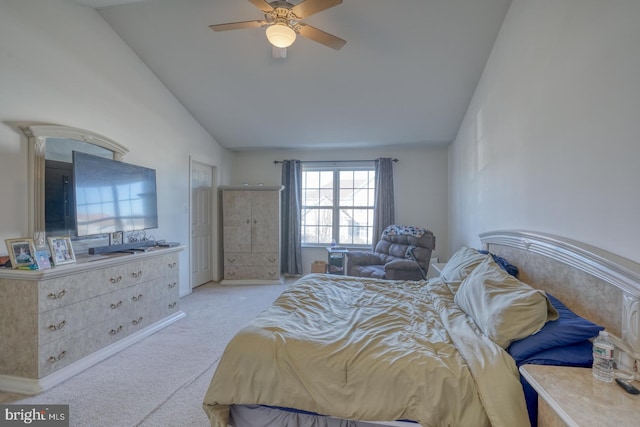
(461, 264)
(504, 308)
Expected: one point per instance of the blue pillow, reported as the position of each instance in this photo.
(503, 263)
(569, 328)
(579, 354)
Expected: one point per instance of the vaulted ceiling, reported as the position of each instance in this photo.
(405, 76)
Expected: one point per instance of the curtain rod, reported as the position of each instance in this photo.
(334, 161)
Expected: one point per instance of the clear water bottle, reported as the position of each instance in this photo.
(603, 358)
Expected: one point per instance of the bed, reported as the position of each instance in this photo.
(343, 351)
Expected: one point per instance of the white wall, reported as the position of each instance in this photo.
(420, 181)
(61, 63)
(551, 139)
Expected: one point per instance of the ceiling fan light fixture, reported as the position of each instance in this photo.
(280, 35)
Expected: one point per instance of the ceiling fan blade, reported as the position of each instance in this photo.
(262, 5)
(320, 36)
(238, 25)
(309, 7)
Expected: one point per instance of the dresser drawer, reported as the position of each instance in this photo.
(66, 290)
(154, 311)
(239, 272)
(165, 306)
(265, 259)
(163, 265)
(167, 285)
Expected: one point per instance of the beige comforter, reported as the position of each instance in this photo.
(371, 350)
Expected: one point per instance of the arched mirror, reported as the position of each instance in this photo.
(51, 178)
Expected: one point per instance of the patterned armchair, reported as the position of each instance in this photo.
(392, 257)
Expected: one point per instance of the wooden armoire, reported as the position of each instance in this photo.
(251, 234)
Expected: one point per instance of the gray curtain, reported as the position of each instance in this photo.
(291, 253)
(384, 207)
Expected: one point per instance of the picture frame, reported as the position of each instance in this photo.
(22, 252)
(42, 259)
(115, 238)
(61, 250)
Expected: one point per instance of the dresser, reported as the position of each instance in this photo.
(56, 323)
(251, 234)
(569, 396)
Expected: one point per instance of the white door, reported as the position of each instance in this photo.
(202, 224)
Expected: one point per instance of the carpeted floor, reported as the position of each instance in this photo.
(161, 380)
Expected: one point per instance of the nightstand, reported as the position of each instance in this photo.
(337, 261)
(570, 396)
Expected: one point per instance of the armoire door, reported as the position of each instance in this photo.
(265, 221)
(237, 221)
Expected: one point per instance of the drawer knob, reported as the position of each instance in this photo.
(58, 295)
(57, 327)
(115, 331)
(231, 260)
(138, 274)
(116, 305)
(137, 321)
(172, 264)
(172, 305)
(136, 298)
(172, 285)
(53, 359)
(116, 279)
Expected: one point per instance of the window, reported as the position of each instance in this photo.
(337, 204)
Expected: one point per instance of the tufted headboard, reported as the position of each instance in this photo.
(596, 284)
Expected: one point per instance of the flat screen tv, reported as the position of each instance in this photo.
(113, 196)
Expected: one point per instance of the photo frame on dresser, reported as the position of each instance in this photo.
(22, 252)
(61, 250)
(42, 259)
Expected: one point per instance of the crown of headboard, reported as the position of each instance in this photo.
(610, 268)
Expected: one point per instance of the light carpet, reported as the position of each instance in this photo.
(161, 380)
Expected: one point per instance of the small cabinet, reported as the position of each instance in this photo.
(337, 260)
(251, 233)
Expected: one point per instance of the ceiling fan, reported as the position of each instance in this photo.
(283, 22)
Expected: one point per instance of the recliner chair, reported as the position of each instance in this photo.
(395, 255)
